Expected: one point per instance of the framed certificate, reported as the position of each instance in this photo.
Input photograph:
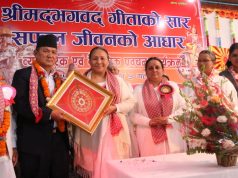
(82, 101)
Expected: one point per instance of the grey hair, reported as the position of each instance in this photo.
(211, 54)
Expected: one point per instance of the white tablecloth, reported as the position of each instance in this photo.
(171, 166)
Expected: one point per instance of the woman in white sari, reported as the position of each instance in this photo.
(111, 139)
(157, 103)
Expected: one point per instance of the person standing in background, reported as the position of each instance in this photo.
(205, 63)
(157, 103)
(231, 72)
(8, 152)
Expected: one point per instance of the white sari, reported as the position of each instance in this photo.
(140, 119)
(93, 152)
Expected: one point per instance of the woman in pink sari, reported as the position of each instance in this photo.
(111, 139)
(157, 103)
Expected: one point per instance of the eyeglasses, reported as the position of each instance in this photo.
(234, 55)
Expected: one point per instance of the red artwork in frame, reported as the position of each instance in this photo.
(82, 101)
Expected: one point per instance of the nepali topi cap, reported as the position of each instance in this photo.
(47, 41)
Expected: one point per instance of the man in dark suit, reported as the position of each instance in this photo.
(42, 139)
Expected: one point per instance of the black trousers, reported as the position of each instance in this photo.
(54, 163)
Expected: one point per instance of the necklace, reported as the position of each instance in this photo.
(4, 126)
(3, 132)
(46, 90)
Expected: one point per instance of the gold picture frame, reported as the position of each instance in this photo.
(82, 101)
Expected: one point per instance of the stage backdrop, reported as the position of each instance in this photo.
(131, 30)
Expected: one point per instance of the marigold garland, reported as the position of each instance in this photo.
(3, 132)
(233, 36)
(46, 90)
(206, 31)
(232, 14)
(223, 11)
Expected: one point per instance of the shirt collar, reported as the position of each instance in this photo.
(52, 71)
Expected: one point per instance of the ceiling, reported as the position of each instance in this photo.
(229, 1)
(221, 4)
(221, 1)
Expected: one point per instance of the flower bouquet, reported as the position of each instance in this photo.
(210, 121)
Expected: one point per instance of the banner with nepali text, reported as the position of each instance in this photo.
(131, 30)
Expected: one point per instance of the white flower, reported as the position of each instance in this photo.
(222, 119)
(203, 143)
(226, 144)
(206, 132)
(197, 143)
(192, 143)
(209, 98)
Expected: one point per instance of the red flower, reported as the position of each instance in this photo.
(203, 103)
(219, 128)
(210, 110)
(199, 92)
(204, 88)
(233, 126)
(208, 120)
(193, 132)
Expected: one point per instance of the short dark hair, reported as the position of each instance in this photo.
(151, 59)
(96, 48)
(211, 54)
(232, 48)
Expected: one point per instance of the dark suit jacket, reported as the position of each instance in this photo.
(32, 137)
(228, 75)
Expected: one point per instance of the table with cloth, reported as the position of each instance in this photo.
(171, 166)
